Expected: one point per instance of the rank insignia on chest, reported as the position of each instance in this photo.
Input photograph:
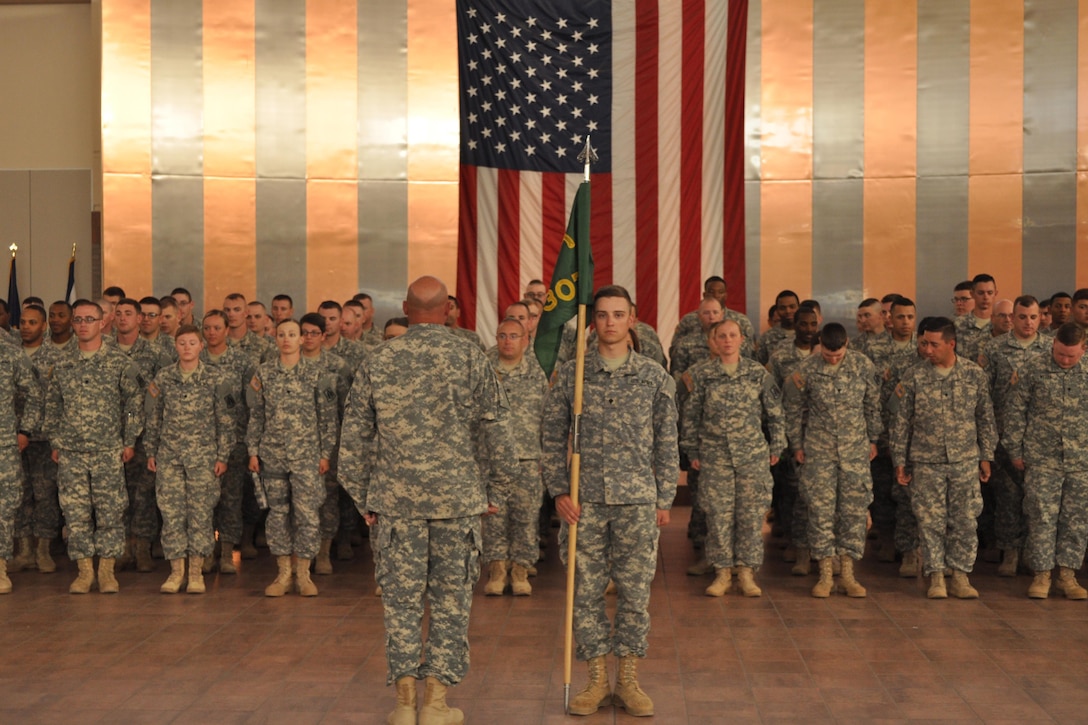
(899, 391)
(255, 383)
(798, 381)
(153, 390)
(1015, 378)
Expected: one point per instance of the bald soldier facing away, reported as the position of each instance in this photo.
(426, 397)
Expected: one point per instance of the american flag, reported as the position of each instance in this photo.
(658, 88)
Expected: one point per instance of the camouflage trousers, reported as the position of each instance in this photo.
(11, 496)
(187, 491)
(39, 514)
(513, 533)
(295, 493)
(1010, 522)
(91, 486)
(228, 512)
(947, 501)
(436, 562)
(329, 513)
(790, 506)
(735, 501)
(1056, 503)
(142, 515)
(906, 525)
(617, 542)
(838, 494)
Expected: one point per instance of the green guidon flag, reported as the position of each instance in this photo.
(572, 282)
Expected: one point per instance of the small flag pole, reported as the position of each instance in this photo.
(587, 157)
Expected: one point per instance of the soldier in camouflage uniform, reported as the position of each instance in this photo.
(21, 403)
(426, 397)
(1046, 436)
(628, 481)
(944, 428)
(729, 400)
(93, 415)
(40, 511)
(790, 509)
(685, 352)
(189, 437)
(870, 326)
(291, 437)
(366, 331)
(891, 345)
(142, 515)
(313, 326)
(235, 370)
(785, 307)
(973, 329)
(511, 536)
(716, 287)
(1001, 359)
(832, 408)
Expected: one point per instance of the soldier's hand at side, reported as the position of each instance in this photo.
(151, 464)
(984, 471)
(799, 455)
(901, 475)
(220, 468)
(695, 465)
(663, 517)
(254, 464)
(23, 441)
(567, 510)
(55, 455)
(370, 518)
(492, 509)
(872, 451)
(1018, 464)
(323, 466)
(127, 454)
(774, 460)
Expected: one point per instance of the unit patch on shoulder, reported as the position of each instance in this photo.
(687, 381)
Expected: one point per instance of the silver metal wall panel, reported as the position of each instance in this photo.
(177, 236)
(1050, 233)
(837, 254)
(943, 87)
(177, 88)
(941, 247)
(752, 231)
(838, 90)
(281, 89)
(753, 128)
(1050, 82)
(281, 239)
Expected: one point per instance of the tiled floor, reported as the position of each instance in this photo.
(234, 656)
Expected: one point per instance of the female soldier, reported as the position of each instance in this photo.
(730, 398)
(190, 402)
(291, 436)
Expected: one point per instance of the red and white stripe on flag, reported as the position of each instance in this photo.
(670, 213)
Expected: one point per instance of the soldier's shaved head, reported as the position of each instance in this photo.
(427, 301)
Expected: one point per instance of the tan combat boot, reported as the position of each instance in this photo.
(435, 711)
(282, 584)
(1069, 586)
(46, 565)
(700, 568)
(519, 581)
(1009, 562)
(628, 694)
(723, 582)
(1040, 586)
(107, 582)
(405, 711)
(960, 586)
(5, 582)
(226, 558)
(936, 586)
(803, 567)
(911, 565)
(126, 559)
(323, 564)
(142, 551)
(306, 586)
(849, 584)
(24, 556)
(85, 580)
(196, 575)
(747, 582)
(209, 563)
(596, 694)
(173, 583)
(823, 588)
(496, 578)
